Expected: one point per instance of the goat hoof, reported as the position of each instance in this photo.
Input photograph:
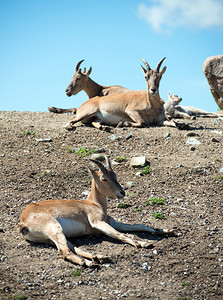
(147, 245)
(69, 127)
(173, 232)
(54, 110)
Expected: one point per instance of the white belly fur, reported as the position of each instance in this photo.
(72, 227)
(108, 118)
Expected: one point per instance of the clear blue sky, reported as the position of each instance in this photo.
(41, 42)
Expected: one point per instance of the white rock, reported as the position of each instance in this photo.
(139, 161)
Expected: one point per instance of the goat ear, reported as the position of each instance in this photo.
(84, 70)
(89, 71)
(92, 172)
(169, 94)
(163, 71)
(144, 70)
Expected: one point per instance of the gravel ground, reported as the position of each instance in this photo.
(38, 161)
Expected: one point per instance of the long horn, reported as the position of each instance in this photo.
(159, 64)
(78, 65)
(146, 64)
(99, 164)
(108, 163)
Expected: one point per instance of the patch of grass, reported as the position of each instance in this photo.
(82, 152)
(21, 297)
(146, 170)
(220, 177)
(123, 205)
(76, 273)
(69, 150)
(217, 159)
(184, 283)
(155, 201)
(138, 209)
(185, 298)
(120, 158)
(30, 132)
(158, 215)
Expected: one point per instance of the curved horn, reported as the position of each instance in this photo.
(78, 65)
(146, 64)
(108, 163)
(99, 164)
(159, 64)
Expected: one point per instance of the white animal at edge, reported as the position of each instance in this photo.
(173, 110)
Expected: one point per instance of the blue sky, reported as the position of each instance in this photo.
(41, 42)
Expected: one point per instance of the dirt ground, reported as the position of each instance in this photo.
(38, 161)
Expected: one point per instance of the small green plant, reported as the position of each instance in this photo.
(120, 158)
(155, 201)
(82, 152)
(27, 132)
(217, 159)
(123, 205)
(21, 297)
(44, 173)
(76, 273)
(146, 170)
(138, 209)
(185, 298)
(220, 177)
(184, 283)
(69, 150)
(158, 215)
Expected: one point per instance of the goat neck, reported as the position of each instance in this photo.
(97, 197)
(92, 88)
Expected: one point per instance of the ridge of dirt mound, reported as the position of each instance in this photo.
(38, 161)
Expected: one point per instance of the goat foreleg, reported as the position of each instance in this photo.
(110, 231)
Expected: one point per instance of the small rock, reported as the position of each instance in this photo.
(215, 251)
(128, 136)
(215, 140)
(217, 132)
(86, 193)
(139, 173)
(167, 135)
(139, 161)
(114, 162)
(179, 166)
(114, 137)
(44, 140)
(192, 148)
(145, 266)
(193, 141)
(191, 134)
(131, 184)
(221, 170)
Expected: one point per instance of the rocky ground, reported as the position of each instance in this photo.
(38, 161)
